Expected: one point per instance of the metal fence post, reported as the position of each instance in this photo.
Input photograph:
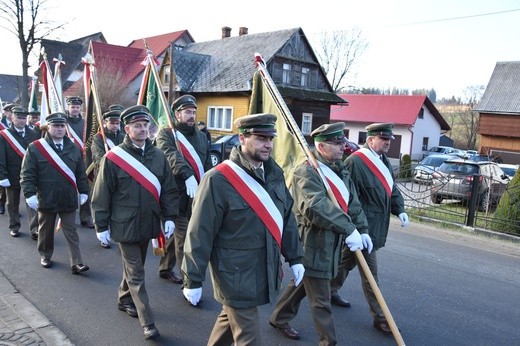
(473, 200)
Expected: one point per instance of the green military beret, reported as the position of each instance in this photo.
(182, 102)
(135, 113)
(74, 100)
(19, 111)
(330, 133)
(56, 118)
(383, 130)
(112, 115)
(262, 124)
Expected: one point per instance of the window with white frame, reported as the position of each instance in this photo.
(220, 118)
(286, 77)
(306, 123)
(166, 76)
(305, 77)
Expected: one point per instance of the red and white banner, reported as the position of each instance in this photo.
(55, 161)
(337, 186)
(256, 196)
(378, 167)
(17, 147)
(137, 170)
(190, 155)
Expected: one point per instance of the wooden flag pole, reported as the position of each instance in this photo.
(295, 130)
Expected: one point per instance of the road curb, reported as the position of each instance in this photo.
(21, 323)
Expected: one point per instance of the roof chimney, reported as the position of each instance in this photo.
(242, 31)
(226, 31)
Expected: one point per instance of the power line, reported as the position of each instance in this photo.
(457, 18)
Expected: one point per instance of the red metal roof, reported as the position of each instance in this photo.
(398, 109)
(159, 44)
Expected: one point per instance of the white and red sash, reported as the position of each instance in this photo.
(110, 143)
(339, 190)
(256, 196)
(3, 126)
(55, 161)
(17, 147)
(136, 170)
(76, 139)
(378, 167)
(190, 155)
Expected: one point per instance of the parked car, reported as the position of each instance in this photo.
(469, 153)
(481, 157)
(453, 180)
(350, 148)
(441, 150)
(422, 173)
(509, 169)
(221, 147)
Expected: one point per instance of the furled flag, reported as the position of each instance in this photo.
(57, 76)
(54, 100)
(286, 151)
(151, 94)
(33, 100)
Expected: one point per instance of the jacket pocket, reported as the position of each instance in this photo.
(237, 274)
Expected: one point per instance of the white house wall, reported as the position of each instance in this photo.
(406, 136)
(425, 127)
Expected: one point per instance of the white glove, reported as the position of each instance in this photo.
(354, 241)
(169, 226)
(367, 242)
(191, 186)
(404, 219)
(82, 198)
(104, 236)
(192, 295)
(5, 183)
(298, 271)
(32, 202)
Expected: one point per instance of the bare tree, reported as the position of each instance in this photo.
(338, 52)
(469, 121)
(21, 18)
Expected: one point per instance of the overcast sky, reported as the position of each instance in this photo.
(447, 45)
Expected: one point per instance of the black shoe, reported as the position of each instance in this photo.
(383, 327)
(128, 308)
(288, 332)
(176, 279)
(78, 268)
(150, 332)
(15, 233)
(34, 235)
(337, 300)
(105, 245)
(87, 224)
(46, 262)
(2, 209)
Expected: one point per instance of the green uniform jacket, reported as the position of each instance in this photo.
(374, 199)
(97, 149)
(244, 258)
(10, 161)
(121, 203)
(323, 225)
(181, 168)
(38, 176)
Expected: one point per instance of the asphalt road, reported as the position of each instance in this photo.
(443, 287)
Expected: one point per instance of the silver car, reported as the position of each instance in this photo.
(422, 173)
(454, 178)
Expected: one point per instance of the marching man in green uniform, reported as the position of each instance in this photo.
(113, 137)
(133, 194)
(373, 178)
(52, 175)
(325, 228)
(242, 221)
(188, 166)
(13, 145)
